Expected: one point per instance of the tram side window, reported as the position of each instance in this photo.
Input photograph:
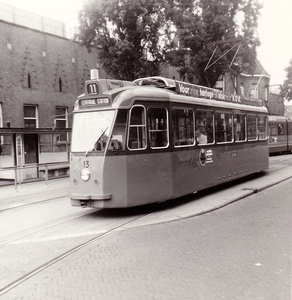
(117, 141)
(281, 129)
(262, 127)
(158, 127)
(183, 127)
(239, 127)
(272, 130)
(223, 127)
(251, 127)
(204, 127)
(137, 128)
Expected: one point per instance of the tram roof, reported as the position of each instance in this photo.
(197, 91)
(152, 94)
(103, 93)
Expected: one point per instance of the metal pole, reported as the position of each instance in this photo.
(46, 174)
(15, 179)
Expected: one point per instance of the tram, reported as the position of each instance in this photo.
(280, 134)
(157, 139)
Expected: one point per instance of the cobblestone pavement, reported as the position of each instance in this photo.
(242, 251)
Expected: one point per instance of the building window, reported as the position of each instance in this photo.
(28, 81)
(61, 117)
(30, 113)
(254, 91)
(60, 84)
(53, 147)
(6, 145)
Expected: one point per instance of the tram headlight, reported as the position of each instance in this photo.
(85, 174)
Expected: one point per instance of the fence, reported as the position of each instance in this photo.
(43, 167)
(21, 17)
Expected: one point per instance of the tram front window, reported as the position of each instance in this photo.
(91, 130)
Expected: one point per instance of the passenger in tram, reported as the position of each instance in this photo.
(238, 130)
(201, 137)
(209, 129)
(220, 132)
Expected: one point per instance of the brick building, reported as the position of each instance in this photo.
(41, 74)
(252, 86)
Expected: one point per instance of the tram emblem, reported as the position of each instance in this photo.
(205, 157)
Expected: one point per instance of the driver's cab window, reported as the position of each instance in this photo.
(117, 141)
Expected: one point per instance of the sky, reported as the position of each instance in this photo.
(274, 28)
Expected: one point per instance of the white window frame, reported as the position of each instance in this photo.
(36, 118)
(254, 91)
(63, 117)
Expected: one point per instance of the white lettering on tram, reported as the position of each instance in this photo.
(88, 102)
(206, 94)
(183, 89)
(221, 96)
(99, 101)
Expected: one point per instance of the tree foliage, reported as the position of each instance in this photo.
(202, 26)
(286, 88)
(135, 37)
(127, 34)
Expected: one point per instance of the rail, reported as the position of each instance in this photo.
(40, 166)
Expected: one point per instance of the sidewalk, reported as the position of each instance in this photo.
(12, 196)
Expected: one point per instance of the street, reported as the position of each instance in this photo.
(240, 251)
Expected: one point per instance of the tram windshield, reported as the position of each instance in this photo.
(91, 130)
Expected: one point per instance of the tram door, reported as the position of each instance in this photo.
(30, 142)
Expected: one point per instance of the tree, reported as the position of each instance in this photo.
(286, 88)
(127, 34)
(199, 29)
(136, 36)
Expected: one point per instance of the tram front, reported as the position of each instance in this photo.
(90, 134)
(95, 163)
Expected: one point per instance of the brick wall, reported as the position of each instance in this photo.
(47, 59)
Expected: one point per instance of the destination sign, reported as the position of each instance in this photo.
(94, 102)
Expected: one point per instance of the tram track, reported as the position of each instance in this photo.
(101, 233)
(21, 204)
(42, 229)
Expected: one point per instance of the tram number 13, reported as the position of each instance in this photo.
(233, 154)
(86, 164)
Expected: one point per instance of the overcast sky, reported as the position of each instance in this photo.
(275, 24)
